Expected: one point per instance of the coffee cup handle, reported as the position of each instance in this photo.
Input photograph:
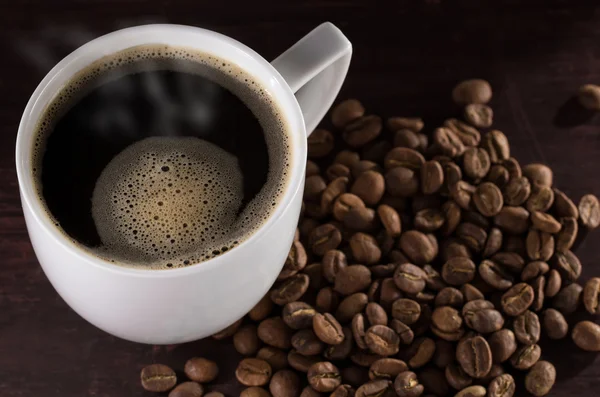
(315, 68)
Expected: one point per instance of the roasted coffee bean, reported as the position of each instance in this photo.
(335, 188)
(498, 175)
(201, 369)
(493, 242)
(308, 392)
(481, 316)
(564, 206)
(545, 222)
(539, 245)
(306, 343)
(496, 144)
(472, 391)
(390, 220)
(553, 284)
(369, 186)
(495, 275)
(285, 383)
(374, 388)
(364, 249)
(361, 219)
(586, 336)
(516, 191)
(324, 377)
(382, 340)
(540, 379)
(432, 177)
(418, 247)
(589, 96)
(447, 142)
(337, 170)
(347, 157)
(538, 285)
(429, 220)
(513, 167)
(343, 350)
(383, 270)
(514, 220)
(488, 199)
(433, 279)
(539, 175)
(554, 323)
(290, 290)
(276, 358)
(228, 331)
(363, 166)
(320, 143)
(328, 329)
(517, 299)
(527, 328)
(246, 341)
(462, 193)
(274, 332)
(355, 303)
(158, 378)
(324, 238)
(327, 300)
(253, 372)
(452, 176)
(452, 215)
(344, 204)
(453, 248)
(567, 235)
(376, 314)
(449, 296)
(313, 187)
(389, 293)
(387, 368)
(444, 353)
(333, 262)
(472, 91)
(255, 391)
(301, 363)
(410, 278)
(590, 295)
(403, 157)
(479, 115)
(406, 310)
(476, 163)
(407, 384)
(471, 292)
(411, 123)
(510, 261)
(447, 323)
(191, 389)
(401, 182)
(568, 265)
(502, 386)
(468, 135)
(474, 356)
(534, 269)
(525, 357)
(458, 271)
(404, 332)
(540, 199)
(262, 309)
(502, 345)
(311, 169)
(589, 211)
(362, 131)
(568, 299)
(343, 391)
(345, 112)
(352, 279)
(472, 236)
(456, 377)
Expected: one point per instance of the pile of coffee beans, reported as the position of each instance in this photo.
(425, 263)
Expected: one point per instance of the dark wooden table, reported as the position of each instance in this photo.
(406, 60)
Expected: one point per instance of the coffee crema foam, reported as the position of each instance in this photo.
(210, 229)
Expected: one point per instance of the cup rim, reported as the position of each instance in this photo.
(272, 81)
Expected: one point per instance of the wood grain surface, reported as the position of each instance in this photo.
(407, 57)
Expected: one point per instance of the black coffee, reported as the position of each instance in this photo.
(161, 157)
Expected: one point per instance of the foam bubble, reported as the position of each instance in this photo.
(165, 200)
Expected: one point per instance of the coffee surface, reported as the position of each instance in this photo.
(103, 145)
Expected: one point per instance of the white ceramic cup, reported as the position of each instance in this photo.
(184, 304)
